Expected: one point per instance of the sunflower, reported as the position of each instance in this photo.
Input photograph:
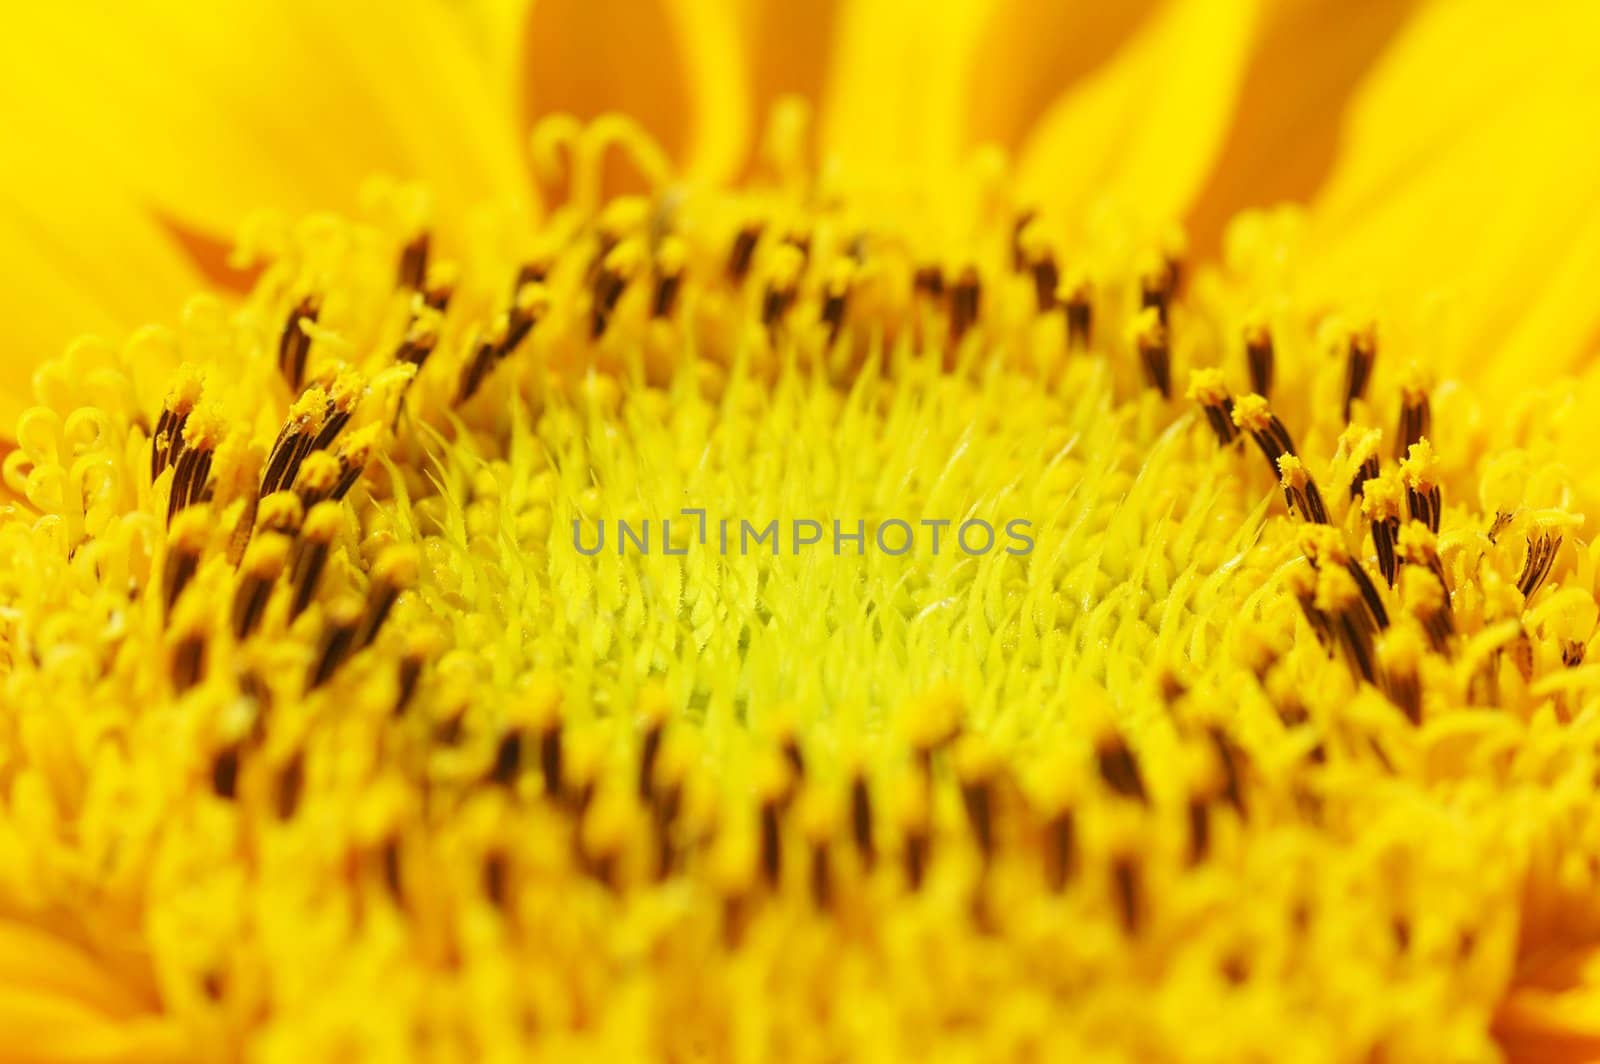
(840, 531)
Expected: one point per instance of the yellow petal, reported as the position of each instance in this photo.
(82, 257)
(1307, 64)
(1465, 190)
(213, 110)
(896, 87)
(675, 67)
(1143, 133)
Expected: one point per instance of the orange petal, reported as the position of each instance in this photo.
(674, 67)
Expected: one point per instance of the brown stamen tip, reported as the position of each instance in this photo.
(1158, 283)
(1250, 413)
(263, 563)
(225, 773)
(167, 440)
(1119, 768)
(1416, 418)
(319, 474)
(337, 642)
(743, 252)
(294, 345)
(1420, 473)
(1075, 299)
(1126, 889)
(1150, 338)
(321, 526)
(507, 758)
(965, 303)
(771, 842)
(929, 280)
(782, 287)
(1258, 355)
(396, 571)
(836, 296)
(1338, 598)
(485, 356)
(189, 661)
(1400, 653)
(1425, 597)
(305, 423)
(190, 530)
(1207, 388)
(414, 262)
(977, 767)
(1361, 350)
(1300, 491)
(191, 473)
(1542, 548)
(1061, 845)
(671, 257)
(861, 820)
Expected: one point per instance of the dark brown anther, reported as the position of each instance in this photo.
(1046, 279)
(1155, 354)
(929, 280)
(353, 456)
(1369, 469)
(496, 877)
(1019, 248)
(291, 784)
(1251, 414)
(978, 797)
(1156, 288)
(414, 262)
(417, 344)
(771, 843)
(550, 758)
(1060, 849)
(1384, 534)
(393, 868)
(1361, 351)
(411, 664)
(1080, 317)
(1199, 829)
(861, 820)
(395, 571)
(188, 661)
(664, 815)
(1369, 594)
(1416, 420)
(1207, 389)
(167, 441)
(184, 544)
(1230, 758)
(1542, 548)
(1119, 768)
(649, 754)
(1423, 504)
(609, 285)
(305, 422)
(263, 563)
(337, 643)
(917, 843)
(1405, 691)
(295, 343)
(1572, 653)
(743, 252)
(485, 356)
(1300, 491)
(507, 759)
(666, 294)
(775, 303)
(1126, 890)
(821, 876)
(1258, 355)
(343, 396)
(965, 303)
(311, 554)
(191, 473)
(225, 773)
(832, 312)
